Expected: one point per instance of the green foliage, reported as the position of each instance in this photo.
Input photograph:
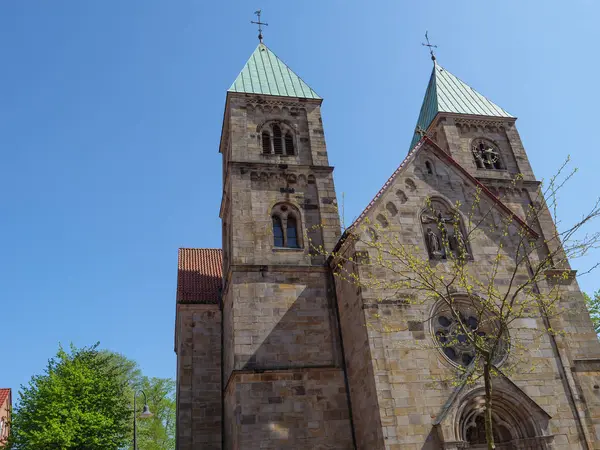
(158, 431)
(78, 403)
(84, 401)
(593, 305)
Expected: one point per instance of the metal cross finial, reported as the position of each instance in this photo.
(430, 45)
(260, 24)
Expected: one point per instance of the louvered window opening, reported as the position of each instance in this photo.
(266, 142)
(289, 144)
(277, 141)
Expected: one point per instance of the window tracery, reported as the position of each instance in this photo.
(486, 154)
(286, 228)
(456, 326)
(277, 138)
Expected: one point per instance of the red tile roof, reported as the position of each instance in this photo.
(4, 394)
(199, 275)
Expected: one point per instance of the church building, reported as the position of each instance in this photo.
(274, 351)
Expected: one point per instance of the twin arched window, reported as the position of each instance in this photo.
(286, 220)
(486, 154)
(277, 139)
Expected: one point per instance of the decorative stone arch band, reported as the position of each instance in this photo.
(517, 421)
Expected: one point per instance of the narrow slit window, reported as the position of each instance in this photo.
(277, 141)
(289, 144)
(292, 232)
(277, 232)
(428, 167)
(266, 142)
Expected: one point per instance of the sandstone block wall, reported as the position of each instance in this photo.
(408, 370)
(279, 318)
(293, 409)
(363, 376)
(199, 411)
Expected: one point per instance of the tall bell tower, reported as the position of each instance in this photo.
(283, 379)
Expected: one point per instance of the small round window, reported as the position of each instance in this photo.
(455, 333)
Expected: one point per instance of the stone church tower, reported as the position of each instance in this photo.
(274, 351)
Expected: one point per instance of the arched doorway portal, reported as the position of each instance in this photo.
(515, 425)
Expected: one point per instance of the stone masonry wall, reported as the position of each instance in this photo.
(255, 182)
(580, 341)
(280, 318)
(408, 372)
(359, 366)
(295, 409)
(199, 390)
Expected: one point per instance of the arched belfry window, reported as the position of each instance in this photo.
(443, 231)
(286, 226)
(277, 138)
(486, 155)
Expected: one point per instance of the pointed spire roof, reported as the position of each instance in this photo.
(448, 94)
(266, 74)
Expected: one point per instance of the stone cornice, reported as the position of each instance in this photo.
(461, 119)
(280, 166)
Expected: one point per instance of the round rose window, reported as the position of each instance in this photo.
(453, 339)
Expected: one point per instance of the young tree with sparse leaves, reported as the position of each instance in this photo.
(522, 278)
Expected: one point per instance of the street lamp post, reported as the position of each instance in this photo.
(144, 414)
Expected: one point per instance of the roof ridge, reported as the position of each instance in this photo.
(453, 162)
(386, 184)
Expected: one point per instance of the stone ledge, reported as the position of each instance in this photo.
(586, 365)
(560, 276)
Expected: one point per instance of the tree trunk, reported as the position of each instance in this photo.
(489, 433)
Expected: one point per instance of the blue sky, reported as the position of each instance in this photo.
(110, 116)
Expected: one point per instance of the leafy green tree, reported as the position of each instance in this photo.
(158, 431)
(593, 305)
(78, 403)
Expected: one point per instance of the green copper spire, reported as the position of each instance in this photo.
(266, 74)
(447, 94)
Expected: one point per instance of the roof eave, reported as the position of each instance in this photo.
(511, 119)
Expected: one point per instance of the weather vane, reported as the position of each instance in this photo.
(260, 24)
(430, 45)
